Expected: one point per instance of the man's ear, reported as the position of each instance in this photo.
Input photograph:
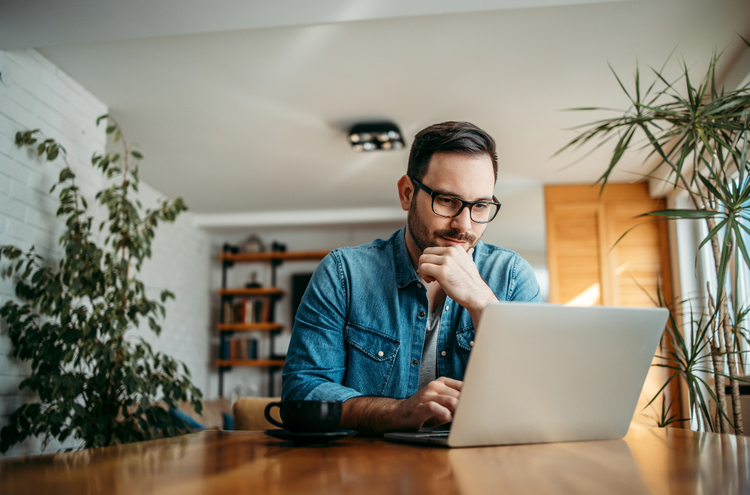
(405, 192)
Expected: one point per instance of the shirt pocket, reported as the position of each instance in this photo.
(465, 340)
(372, 357)
(464, 344)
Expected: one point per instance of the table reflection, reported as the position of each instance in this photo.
(573, 467)
(680, 461)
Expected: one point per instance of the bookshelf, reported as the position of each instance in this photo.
(255, 309)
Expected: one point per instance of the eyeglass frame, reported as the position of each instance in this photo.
(464, 203)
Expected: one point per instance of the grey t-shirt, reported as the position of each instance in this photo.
(428, 369)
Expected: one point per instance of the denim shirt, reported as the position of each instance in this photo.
(360, 327)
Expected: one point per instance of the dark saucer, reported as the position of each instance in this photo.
(318, 438)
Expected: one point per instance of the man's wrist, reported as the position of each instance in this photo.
(477, 307)
(481, 301)
(371, 415)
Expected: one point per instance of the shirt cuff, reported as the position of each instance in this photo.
(332, 391)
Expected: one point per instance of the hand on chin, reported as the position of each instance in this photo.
(445, 248)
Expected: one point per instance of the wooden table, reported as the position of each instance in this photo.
(646, 462)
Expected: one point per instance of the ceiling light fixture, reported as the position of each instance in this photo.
(375, 136)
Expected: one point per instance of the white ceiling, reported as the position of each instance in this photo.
(242, 107)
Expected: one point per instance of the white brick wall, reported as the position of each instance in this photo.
(180, 263)
(36, 94)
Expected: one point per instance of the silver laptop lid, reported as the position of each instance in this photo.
(551, 373)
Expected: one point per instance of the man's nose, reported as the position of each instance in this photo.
(462, 221)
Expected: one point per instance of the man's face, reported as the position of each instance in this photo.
(470, 178)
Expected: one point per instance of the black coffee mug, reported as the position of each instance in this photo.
(306, 416)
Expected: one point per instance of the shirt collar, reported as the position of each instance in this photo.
(405, 273)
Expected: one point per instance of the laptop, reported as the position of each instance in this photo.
(543, 373)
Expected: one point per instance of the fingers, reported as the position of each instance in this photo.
(428, 273)
(443, 256)
(450, 382)
(435, 266)
(436, 414)
(434, 258)
(433, 405)
(439, 407)
(443, 391)
(442, 251)
(444, 401)
(444, 386)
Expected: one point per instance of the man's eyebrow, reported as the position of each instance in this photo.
(448, 193)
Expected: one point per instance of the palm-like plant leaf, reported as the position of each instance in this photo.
(699, 131)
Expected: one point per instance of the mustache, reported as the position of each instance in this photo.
(456, 235)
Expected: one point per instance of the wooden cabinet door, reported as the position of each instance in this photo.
(573, 248)
(583, 230)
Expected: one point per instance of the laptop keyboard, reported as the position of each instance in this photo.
(431, 434)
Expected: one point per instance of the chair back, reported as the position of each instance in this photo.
(249, 413)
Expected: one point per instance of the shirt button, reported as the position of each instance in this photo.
(443, 353)
(471, 344)
(419, 285)
(380, 353)
(421, 314)
(415, 362)
(447, 308)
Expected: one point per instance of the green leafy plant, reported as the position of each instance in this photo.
(698, 138)
(93, 381)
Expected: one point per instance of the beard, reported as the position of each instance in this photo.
(423, 238)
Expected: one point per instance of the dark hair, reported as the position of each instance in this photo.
(449, 137)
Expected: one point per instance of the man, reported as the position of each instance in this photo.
(388, 327)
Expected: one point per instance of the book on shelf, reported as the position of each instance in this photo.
(234, 349)
(251, 348)
(227, 312)
(257, 304)
(248, 311)
(243, 348)
(243, 311)
(265, 311)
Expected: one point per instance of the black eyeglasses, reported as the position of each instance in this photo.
(448, 206)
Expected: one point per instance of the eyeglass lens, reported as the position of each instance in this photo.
(449, 206)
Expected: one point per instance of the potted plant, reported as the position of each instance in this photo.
(697, 134)
(93, 381)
